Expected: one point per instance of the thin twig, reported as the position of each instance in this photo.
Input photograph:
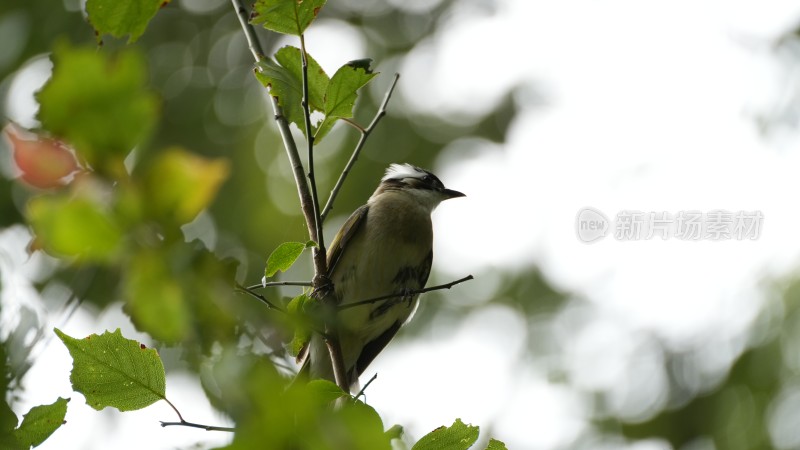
(184, 423)
(405, 294)
(280, 283)
(312, 181)
(249, 33)
(361, 392)
(283, 127)
(357, 150)
(248, 290)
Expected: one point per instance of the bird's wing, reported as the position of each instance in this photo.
(373, 347)
(345, 234)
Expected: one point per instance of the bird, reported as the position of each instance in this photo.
(385, 247)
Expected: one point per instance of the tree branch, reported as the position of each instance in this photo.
(307, 201)
(283, 127)
(191, 424)
(280, 283)
(184, 423)
(365, 132)
(405, 294)
(320, 240)
(363, 389)
(248, 290)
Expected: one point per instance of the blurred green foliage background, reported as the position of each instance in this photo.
(210, 103)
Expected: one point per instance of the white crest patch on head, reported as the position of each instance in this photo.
(400, 171)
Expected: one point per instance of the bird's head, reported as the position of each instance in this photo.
(420, 184)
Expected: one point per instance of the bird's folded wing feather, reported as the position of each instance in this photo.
(345, 234)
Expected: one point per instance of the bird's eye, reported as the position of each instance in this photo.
(427, 178)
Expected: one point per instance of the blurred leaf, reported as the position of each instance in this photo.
(40, 422)
(44, 163)
(119, 18)
(283, 257)
(302, 328)
(181, 184)
(395, 432)
(286, 16)
(74, 227)
(326, 391)
(8, 420)
(285, 80)
(494, 444)
(458, 436)
(340, 97)
(110, 370)
(275, 414)
(98, 103)
(155, 300)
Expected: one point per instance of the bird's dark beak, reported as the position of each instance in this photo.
(449, 193)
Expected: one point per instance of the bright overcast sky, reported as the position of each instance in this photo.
(648, 107)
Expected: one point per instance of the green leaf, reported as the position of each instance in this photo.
(395, 432)
(98, 103)
(119, 18)
(290, 58)
(286, 16)
(300, 322)
(284, 77)
(340, 97)
(155, 300)
(458, 436)
(40, 422)
(282, 258)
(324, 390)
(181, 184)
(110, 370)
(494, 444)
(74, 227)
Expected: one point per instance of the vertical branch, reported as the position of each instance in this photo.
(319, 251)
(365, 132)
(283, 126)
(308, 202)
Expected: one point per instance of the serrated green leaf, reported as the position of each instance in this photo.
(286, 16)
(284, 77)
(283, 257)
(458, 436)
(494, 444)
(40, 422)
(119, 18)
(290, 58)
(340, 97)
(110, 370)
(98, 103)
(74, 227)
